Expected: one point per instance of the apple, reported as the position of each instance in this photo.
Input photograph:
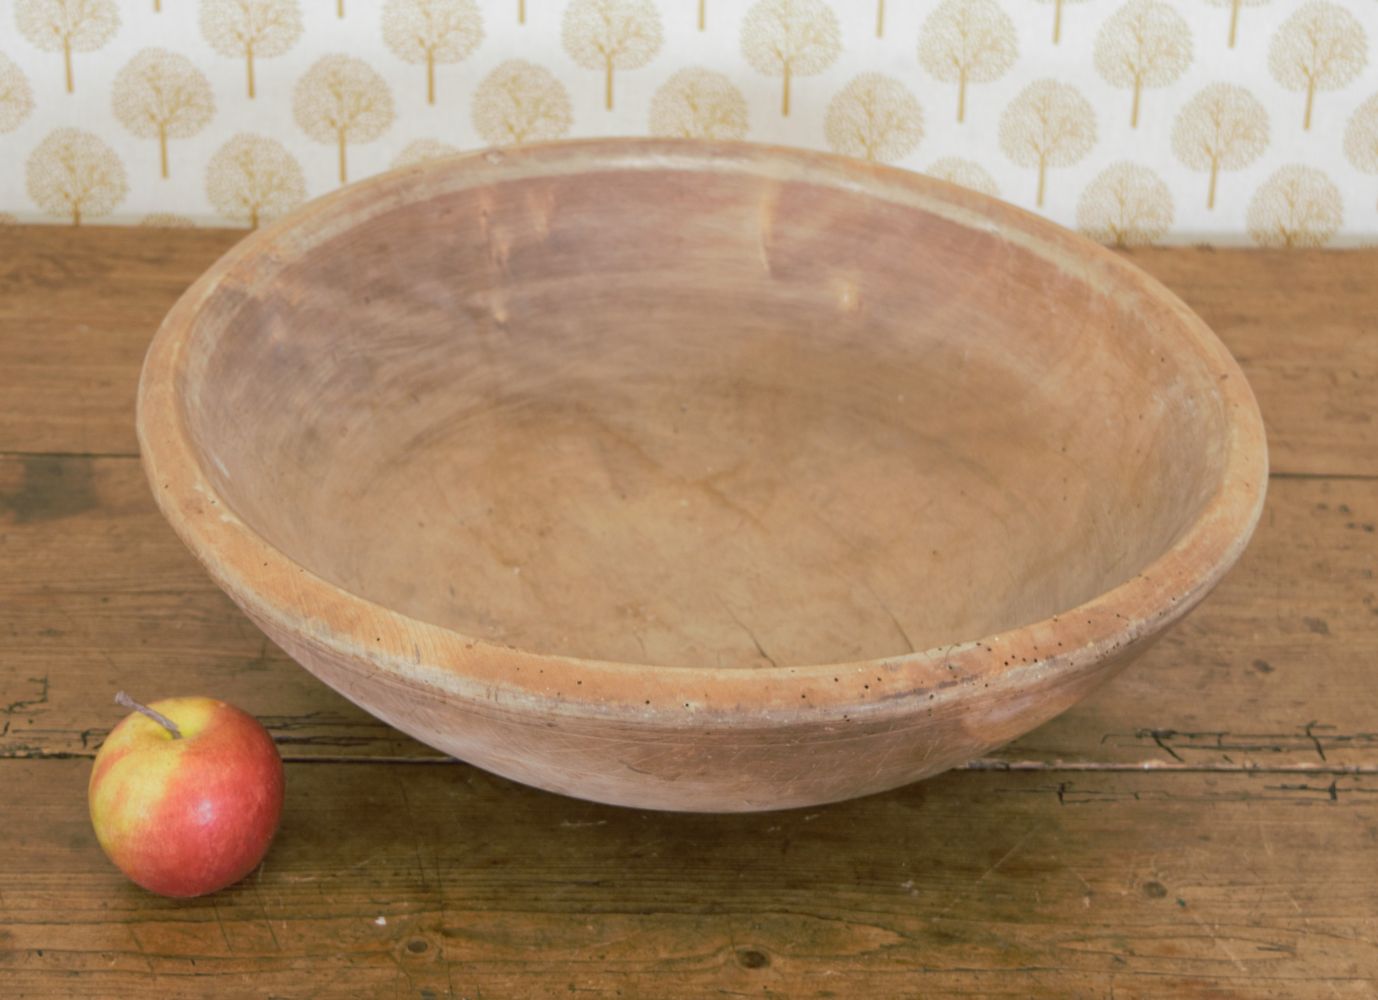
(186, 794)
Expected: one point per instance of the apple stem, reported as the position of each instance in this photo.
(123, 699)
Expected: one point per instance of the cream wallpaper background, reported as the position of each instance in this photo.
(1137, 121)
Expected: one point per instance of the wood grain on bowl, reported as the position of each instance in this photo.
(698, 476)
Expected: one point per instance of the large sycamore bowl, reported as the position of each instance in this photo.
(698, 476)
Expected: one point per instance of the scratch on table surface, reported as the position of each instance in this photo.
(327, 987)
(134, 934)
(1007, 855)
(229, 948)
(1018, 844)
(299, 879)
(411, 983)
(1305, 920)
(1211, 929)
(416, 836)
(1080, 879)
(263, 911)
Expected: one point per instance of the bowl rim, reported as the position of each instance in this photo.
(280, 594)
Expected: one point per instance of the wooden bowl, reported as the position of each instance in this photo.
(698, 476)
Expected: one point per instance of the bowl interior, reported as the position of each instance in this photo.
(694, 416)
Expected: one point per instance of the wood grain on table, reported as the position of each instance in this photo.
(1204, 825)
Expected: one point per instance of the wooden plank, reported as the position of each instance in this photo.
(1301, 326)
(1273, 669)
(77, 309)
(96, 593)
(413, 881)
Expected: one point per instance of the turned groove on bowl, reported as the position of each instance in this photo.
(697, 476)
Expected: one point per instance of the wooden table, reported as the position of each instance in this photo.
(1205, 825)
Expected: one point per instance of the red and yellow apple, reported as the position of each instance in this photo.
(186, 794)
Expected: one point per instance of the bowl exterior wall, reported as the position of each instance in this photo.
(645, 763)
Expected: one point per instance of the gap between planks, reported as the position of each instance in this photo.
(1361, 477)
(980, 764)
(134, 456)
(68, 454)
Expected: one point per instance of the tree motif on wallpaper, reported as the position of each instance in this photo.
(75, 175)
(1048, 125)
(1223, 127)
(880, 18)
(789, 38)
(162, 95)
(965, 173)
(1143, 44)
(431, 32)
(166, 220)
(339, 8)
(609, 35)
(1320, 47)
(252, 178)
(1057, 16)
(874, 117)
(521, 102)
(1234, 6)
(967, 41)
(1361, 136)
(67, 26)
(1296, 207)
(1126, 205)
(698, 104)
(422, 150)
(703, 15)
(341, 100)
(16, 97)
(251, 29)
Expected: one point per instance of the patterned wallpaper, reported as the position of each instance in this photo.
(1137, 121)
